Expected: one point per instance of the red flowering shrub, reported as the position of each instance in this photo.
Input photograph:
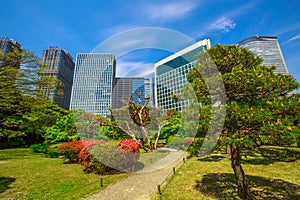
(104, 156)
(132, 147)
(71, 150)
(129, 146)
(88, 162)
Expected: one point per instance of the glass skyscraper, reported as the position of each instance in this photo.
(266, 47)
(93, 83)
(59, 63)
(130, 87)
(170, 75)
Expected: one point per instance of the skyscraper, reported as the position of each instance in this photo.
(93, 83)
(7, 45)
(268, 48)
(129, 87)
(170, 74)
(59, 63)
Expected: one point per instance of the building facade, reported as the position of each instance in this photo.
(93, 83)
(268, 48)
(59, 63)
(126, 88)
(7, 45)
(170, 75)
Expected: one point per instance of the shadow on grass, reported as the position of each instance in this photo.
(223, 186)
(280, 154)
(211, 158)
(8, 154)
(258, 161)
(5, 182)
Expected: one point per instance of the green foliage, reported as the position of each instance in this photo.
(53, 154)
(63, 130)
(21, 98)
(259, 109)
(39, 148)
(173, 119)
(194, 148)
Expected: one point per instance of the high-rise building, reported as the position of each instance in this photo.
(268, 48)
(131, 87)
(7, 45)
(170, 75)
(93, 83)
(59, 63)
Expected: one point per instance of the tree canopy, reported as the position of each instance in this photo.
(260, 105)
(22, 103)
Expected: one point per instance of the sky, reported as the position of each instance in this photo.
(79, 26)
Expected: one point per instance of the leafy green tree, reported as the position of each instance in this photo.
(21, 86)
(259, 109)
(63, 129)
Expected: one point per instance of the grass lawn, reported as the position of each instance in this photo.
(212, 178)
(28, 175)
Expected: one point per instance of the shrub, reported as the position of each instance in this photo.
(88, 162)
(53, 154)
(129, 146)
(104, 156)
(71, 150)
(39, 148)
(194, 149)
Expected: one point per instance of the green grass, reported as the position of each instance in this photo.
(28, 175)
(212, 178)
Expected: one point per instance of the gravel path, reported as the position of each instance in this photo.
(143, 184)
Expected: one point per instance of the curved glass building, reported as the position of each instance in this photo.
(170, 75)
(268, 48)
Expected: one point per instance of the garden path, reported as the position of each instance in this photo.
(142, 185)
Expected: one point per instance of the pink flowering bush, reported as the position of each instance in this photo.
(102, 157)
(88, 162)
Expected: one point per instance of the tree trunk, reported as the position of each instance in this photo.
(228, 149)
(243, 190)
(157, 137)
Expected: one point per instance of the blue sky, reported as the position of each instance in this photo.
(79, 26)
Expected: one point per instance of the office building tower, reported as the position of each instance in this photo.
(93, 83)
(170, 75)
(7, 45)
(268, 48)
(59, 63)
(137, 88)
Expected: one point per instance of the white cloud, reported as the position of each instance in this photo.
(134, 69)
(224, 24)
(170, 11)
(296, 37)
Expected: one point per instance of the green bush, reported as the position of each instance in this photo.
(39, 148)
(194, 148)
(53, 154)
